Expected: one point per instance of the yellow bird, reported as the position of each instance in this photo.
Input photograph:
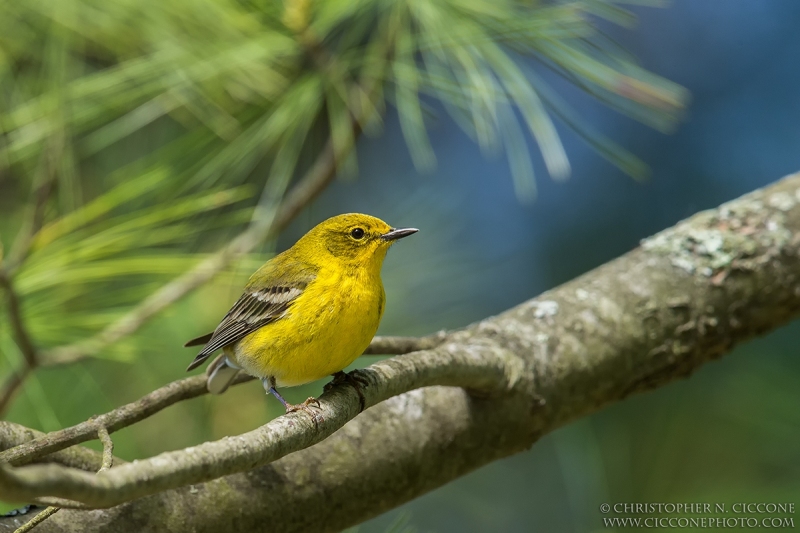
(306, 313)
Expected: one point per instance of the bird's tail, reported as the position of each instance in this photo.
(221, 373)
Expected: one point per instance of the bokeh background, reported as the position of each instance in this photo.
(727, 434)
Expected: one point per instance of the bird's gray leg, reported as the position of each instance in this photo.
(269, 386)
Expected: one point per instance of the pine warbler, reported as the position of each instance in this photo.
(306, 313)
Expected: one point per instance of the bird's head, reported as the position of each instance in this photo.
(354, 239)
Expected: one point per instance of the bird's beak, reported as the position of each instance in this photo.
(398, 233)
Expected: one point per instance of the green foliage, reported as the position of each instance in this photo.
(226, 86)
(88, 266)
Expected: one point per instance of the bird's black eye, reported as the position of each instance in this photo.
(357, 233)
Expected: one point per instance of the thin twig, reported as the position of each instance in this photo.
(21, 336)
(23, 340)
(22, 243)
(19, 252)
(167, 395)
(108, 449)
(111, 421)
(38, 519)
(62, 503)
(11, 386)
(12, 435)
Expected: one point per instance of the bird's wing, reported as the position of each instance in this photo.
(265, 300)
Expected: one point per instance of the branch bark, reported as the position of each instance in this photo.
(152, 403)
(683, 298)
(12, 435)
(490, 372)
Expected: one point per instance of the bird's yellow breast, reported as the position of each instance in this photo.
(329, 325)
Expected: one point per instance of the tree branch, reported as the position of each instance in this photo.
(683, 298)
(108, 449)
(12, 435)
(111, 421)
(38, 519)
(490, 371)
(165, 396)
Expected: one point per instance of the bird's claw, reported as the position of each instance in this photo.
(306, 406)
(355, 379)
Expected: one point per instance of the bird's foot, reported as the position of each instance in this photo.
(306, 406)
(269, 385)
(355, 379)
